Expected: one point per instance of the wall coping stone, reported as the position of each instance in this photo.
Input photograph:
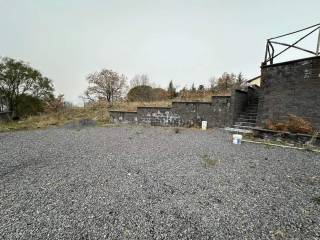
(221, 97)
(241, 91)
(192, 102)
(290, 62)
(154, 107)
(122, 111)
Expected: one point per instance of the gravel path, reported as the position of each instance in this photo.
(151, 183)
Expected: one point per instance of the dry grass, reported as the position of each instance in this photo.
(132, 106)
(95, 112)
(294, 124)
(201, 96)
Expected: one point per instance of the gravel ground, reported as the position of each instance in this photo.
(152, 183)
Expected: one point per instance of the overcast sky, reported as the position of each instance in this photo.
(181, 40)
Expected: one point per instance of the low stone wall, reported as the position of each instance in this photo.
(158, 116)
(123, 116)
(190, 112)
(5, 116)
(216, 113)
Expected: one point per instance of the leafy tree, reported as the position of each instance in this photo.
(171, 90)
(106, 84)
(29, 105)
(18, 79)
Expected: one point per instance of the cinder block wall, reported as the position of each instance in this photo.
(290, 88)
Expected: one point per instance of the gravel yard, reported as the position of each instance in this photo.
(152, 183)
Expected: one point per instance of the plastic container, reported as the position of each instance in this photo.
(204, 125)
(237, 138)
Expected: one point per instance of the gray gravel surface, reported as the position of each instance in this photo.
(150, 183)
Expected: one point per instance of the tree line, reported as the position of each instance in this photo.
(25, 91)
(110, 86)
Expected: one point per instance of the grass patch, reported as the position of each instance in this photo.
(208, 162)
(74, 114)
(316, 200)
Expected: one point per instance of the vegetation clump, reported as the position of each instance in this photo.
(23, 89)
(316, 200)
(208, 162)
(293, 124)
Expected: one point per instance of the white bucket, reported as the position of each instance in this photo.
(204, 125)
(237, 138)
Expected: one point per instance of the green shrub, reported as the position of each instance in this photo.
(29, 105)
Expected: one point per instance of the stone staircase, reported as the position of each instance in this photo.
(247, 119)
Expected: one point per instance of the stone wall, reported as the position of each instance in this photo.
(290, 88)
(216, 113)
(239, 102)
(123, 116)
(219, 114)
(158, 116)
(191, 113)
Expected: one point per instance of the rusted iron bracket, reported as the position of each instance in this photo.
(270, 54)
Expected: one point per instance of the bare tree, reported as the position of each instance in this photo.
(240, 80)
(106, 84)
(213, 81)
(226, 81)
(140, 80)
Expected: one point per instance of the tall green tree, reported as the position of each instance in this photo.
(172, 93)
(18, 78)
(193, 88)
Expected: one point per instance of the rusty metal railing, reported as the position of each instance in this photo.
(270, 54)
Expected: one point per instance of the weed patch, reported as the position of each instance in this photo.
(208, 162)
(316, 200)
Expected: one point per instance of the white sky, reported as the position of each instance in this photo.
(180, 40)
